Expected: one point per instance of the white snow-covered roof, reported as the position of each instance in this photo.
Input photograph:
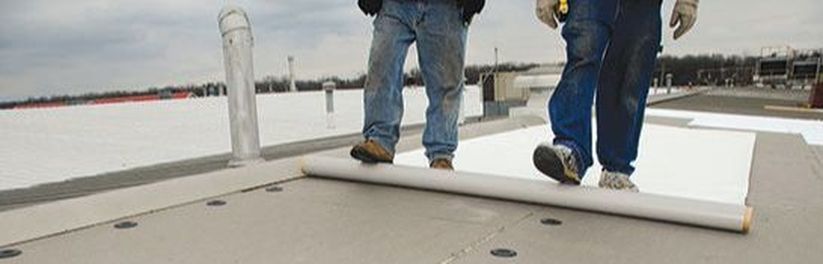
(57, 144)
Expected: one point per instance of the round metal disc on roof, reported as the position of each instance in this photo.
(274, 189)
(9, 253)
(216, 203)
(503, 253)
(125, 225)
(551, 221)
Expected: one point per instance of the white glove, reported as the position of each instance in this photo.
(684, 14)
(545, 12)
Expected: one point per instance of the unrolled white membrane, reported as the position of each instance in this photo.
(811, 130)
(699, 164)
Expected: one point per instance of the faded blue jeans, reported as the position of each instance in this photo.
(611, 49)
(438, 29)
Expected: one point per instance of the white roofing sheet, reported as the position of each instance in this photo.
(699, 164)
(811, 130)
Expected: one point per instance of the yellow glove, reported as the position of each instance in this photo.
(545, 11)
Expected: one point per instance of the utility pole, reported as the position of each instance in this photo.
(271, 82)
(662, 64)
(662, 69)
(292, 82)
(817, 73)
(496, 61)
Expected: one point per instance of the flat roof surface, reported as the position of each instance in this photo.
(323, 221)
(42, 146)
(159, 171)
(740, 105)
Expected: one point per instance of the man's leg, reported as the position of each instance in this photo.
(586, 32)
(624, 83)
(441, 44)
(383, 92)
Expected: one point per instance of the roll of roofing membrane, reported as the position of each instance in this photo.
(732, 217)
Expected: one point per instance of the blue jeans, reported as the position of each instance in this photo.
(611, 49)
(437, 27)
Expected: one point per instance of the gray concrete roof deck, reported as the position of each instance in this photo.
(311, 221)
(324, 221)
(796, 95)
(818, 154)
(738, 105)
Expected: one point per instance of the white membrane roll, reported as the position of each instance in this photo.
(710, 214)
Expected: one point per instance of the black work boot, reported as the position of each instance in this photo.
(557, 162)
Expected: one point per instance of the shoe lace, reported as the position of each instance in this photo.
(568, 158)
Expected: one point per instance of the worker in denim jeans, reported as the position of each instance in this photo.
(439, 27)
(611, 47)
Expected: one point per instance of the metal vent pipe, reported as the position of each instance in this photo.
(235, 29)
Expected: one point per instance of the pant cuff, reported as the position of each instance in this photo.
(433, 157)
(627, 171)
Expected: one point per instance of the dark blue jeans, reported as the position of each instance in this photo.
(611, 49)
(437, 27)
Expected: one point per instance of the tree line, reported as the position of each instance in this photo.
(685, 70)
(706, 69)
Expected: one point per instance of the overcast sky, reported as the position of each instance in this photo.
(50, 47)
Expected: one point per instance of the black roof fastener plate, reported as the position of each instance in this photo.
(9, 253)
(551, 221)
(503, 253)
(125, 225)
(216, 203)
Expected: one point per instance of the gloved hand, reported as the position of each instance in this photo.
(370, 7)
(470, 8)
(684, 14)
(545, 11)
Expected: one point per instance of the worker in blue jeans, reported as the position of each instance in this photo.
(611, 49)
(439, 27)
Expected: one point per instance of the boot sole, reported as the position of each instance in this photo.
(549, 163)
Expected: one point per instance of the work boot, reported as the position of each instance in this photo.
(371, 152)
(557, 162)
(443, 164)
(617, 181)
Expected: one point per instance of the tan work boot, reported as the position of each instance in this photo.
(442, 164)
(371, 152)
